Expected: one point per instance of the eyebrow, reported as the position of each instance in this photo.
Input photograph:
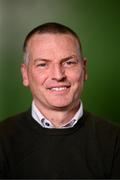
(48, 60)
(67, 58)
(41, 59)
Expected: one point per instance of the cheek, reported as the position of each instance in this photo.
(76, 76)
(37, 78)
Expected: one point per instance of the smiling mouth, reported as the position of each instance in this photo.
(59, 89)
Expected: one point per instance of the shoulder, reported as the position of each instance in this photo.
(99, 122)
(13, 123)
(104, 130)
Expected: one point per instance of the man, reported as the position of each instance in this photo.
(56, 138)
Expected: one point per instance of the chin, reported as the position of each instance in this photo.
(61, 105)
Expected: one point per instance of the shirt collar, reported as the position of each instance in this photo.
(39, 117)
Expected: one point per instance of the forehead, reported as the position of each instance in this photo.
(48, 44)
(50, 38)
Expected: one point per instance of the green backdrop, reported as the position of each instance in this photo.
(98, 24)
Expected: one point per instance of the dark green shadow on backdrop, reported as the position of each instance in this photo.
(98, 24)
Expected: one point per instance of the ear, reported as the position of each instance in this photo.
(24, 73)
(84, 68)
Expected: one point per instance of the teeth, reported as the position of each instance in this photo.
(58, 89)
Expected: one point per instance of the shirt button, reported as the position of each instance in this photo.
(47, 124)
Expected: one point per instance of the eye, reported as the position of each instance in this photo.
(70, 62)
(42, 65)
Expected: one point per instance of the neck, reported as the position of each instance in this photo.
(58, 117)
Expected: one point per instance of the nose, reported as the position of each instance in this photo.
(58, 73)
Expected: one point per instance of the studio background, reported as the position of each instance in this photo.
(97, 22)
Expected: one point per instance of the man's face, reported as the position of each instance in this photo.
(55, 71)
